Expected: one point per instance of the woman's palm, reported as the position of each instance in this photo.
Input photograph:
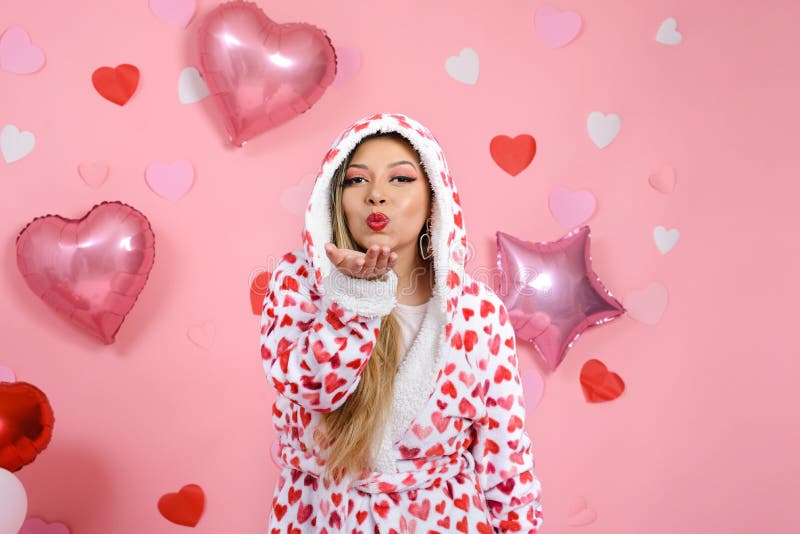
(375, 263)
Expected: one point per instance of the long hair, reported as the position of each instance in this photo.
(351, 431)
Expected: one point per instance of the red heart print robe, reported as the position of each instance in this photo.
(455, 455)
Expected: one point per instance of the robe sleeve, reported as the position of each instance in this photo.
(502, 448)
(314, 348)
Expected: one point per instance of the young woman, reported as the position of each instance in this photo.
(399, 405)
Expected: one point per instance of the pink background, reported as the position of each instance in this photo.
(702, 439)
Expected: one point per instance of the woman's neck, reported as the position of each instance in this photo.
(415, 285)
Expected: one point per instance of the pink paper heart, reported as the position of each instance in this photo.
(275, 450)
(295, 197)
(533, 386)
(18, 54)
(34, 525)
(663, 180)
(7, 374)
(202, 334)
(94, 173)
(580, 514)
(175, 12)
(571, 208)
(556, 28)
(647, 305)
(348, 63)
(171, 181)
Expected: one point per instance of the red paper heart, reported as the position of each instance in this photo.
(513, 155)
(92, 269)
(598, 383)
(185, 507)
(116, 84)
(26, 424)
(258, 290)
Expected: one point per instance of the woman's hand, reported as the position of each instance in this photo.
(373, 265)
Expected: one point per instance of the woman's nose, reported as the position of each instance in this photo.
(376, 196)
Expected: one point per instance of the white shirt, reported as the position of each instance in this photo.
(410, 318)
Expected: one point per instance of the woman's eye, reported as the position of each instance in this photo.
(405, 178)
(348, 181)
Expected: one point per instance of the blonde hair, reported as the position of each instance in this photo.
(357, 423)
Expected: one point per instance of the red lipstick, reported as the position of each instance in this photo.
(377, 220)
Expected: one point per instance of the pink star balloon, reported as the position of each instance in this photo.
(551, 292)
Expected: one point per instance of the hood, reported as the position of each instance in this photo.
(448, 235)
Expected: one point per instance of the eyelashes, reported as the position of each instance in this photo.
(348, 181)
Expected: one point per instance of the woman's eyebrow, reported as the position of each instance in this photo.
(395, 164)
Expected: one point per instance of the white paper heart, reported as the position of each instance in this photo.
(191, 86)
(14, 144)
(668, 34)
(464, 67)
(603, 128)
(665, 239)
(647, 305)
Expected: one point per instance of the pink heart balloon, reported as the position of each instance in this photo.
(261, 73)
(91, 269)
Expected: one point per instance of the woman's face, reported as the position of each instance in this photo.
(385, 175)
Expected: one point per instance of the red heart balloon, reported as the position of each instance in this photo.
(26, 424)
(513, 155)
(92, 269)
(184, 507)
(116, 84)
(261, 73)
(598, 383)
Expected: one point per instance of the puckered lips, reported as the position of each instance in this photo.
(377, 220)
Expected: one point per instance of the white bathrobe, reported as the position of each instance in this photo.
(455, 455)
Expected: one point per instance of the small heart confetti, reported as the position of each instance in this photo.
(17, 54)
(93, 173)
(571, 208)
(668, 34)
(14, 144)
(184, 507)
(116, 84)
(202, 334)
(175, 12)
(191, 86)
(513, 155)
(579, 513)
(647, 305)
(463, 67)
(7, 374)
(34, 525)
(598, 383)
(603, 128)
(533, 386)
(663, 180)
(294, 198)
(556, 28)
(348, 64)
(258, 291)
(170, 180)
(665, 239)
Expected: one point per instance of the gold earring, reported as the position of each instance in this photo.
(428, 252)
